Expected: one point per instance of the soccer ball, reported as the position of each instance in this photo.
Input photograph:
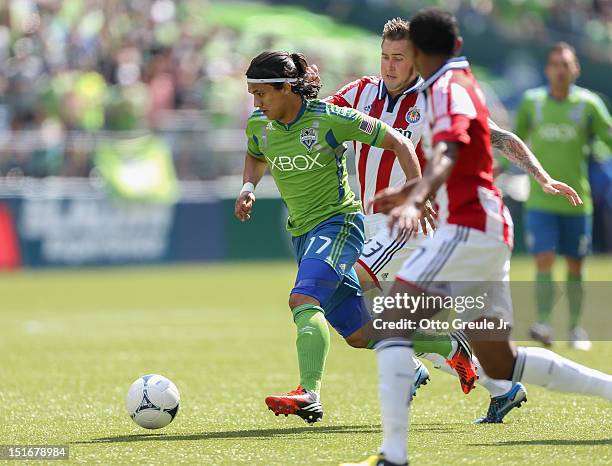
(153, 401)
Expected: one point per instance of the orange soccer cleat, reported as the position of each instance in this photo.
(462, 363)
(300, 402)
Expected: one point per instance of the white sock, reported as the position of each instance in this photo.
(542, 367)
(454, 346)
(417, 364)
(396, 369)
(495, 387)
(438, 361)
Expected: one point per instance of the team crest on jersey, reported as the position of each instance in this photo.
(367, 108)
(413, 115)
(576, 113)
(308, 137)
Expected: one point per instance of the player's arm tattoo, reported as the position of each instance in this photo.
(515, 150)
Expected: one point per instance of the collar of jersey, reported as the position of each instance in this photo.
(297, 118)
(458, 63)
(414, 86)
(572, 89)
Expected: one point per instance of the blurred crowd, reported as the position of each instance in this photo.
(74, 71)
(97, 64)
(82, 67)
(586, 23)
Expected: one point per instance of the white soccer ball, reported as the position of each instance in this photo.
(153, 401)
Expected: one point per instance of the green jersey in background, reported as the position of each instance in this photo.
(559, 133)
(306, 159)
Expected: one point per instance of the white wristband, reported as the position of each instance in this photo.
(247, 188)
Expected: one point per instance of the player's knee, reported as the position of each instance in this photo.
(356, 340)
(544, 261)
(574, 265)
(297, 299)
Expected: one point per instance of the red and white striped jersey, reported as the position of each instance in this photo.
(377, 168)
(456, 111)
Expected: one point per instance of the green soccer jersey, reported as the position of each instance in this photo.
(559, 133)
(306, 159)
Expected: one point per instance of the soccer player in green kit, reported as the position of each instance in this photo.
(300, 140)
(560, 121)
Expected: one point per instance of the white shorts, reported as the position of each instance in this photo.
(458, 261)
(383, 253)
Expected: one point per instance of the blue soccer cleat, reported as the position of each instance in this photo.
(421, 377)
(503, 404)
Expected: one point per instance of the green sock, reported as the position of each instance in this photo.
(312, 344)
(428, 343)
(575, 293)
(544, 295)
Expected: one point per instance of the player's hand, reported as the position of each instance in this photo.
(428, 218)
(388, 198)
(244, 205)
(557, 188)
(312, 75)
(404, 217)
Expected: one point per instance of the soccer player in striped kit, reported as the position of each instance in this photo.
(394, 98)
(473, 241)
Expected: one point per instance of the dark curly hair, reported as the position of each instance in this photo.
(434, 31)
(284, 65)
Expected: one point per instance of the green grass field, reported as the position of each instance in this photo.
(72, 342)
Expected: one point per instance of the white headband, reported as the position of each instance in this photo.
(271, 80)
